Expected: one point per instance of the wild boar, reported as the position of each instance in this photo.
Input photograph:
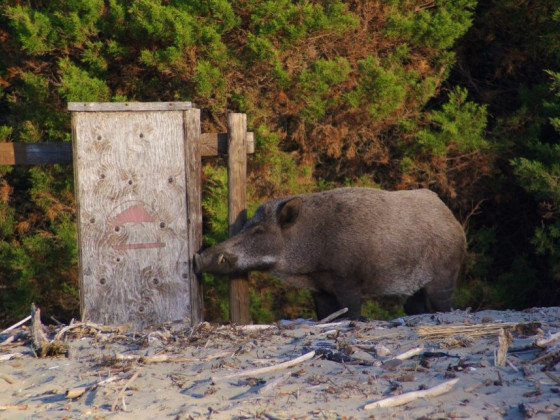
(349, 243)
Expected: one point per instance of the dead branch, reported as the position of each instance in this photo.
(268, 369)
(414, 395)
(17, 324)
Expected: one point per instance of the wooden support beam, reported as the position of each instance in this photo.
(35, 153)
(211, 144)
(237, 212)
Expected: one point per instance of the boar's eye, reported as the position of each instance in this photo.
(258, 229)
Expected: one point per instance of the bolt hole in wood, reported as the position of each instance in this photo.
(155, 282)
(162, 225)
(103, 280)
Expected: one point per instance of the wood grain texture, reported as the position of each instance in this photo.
(132, 216)
(193, 171)
(237, 212)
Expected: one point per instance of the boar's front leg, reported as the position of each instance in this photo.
(325, 304)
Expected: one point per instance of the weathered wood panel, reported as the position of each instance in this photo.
(193, 170)
(132, 216)
(237, 212)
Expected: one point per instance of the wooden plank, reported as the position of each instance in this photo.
(132, 216)
(214, 144)
(237, 212)
(128, 106)
(211, 144)
(193, 173)
(35, 153)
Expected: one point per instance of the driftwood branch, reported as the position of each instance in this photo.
(332, 316)
(546, 342)
(163, 358)
(77, 392)
(91, 325)
(438, 332)
(37, 330)
(121, 392)
(410, 353)
(17, 324)
(504, 341)
(4, 407)
(414, 395)
(268, 369)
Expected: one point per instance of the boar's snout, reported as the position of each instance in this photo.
(214, 262)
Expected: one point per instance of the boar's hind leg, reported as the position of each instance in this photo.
(416, 304)
(429, 299)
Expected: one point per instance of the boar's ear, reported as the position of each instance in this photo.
(288, 212)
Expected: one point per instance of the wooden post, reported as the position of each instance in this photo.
(237, 212)
(193, 168)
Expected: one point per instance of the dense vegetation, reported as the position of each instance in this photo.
(459, 96)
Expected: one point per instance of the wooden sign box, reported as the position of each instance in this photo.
(137, 179)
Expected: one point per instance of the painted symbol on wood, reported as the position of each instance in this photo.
(135, 215)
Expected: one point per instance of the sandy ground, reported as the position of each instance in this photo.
(211, 371)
